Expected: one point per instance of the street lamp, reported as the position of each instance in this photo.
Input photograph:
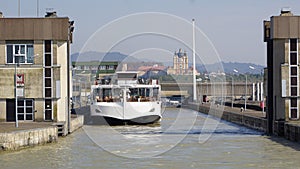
(16, 95)
(206, 80)
(261, 90)
(219, 78)
(232, 91)
(194, 65)
(236, 71)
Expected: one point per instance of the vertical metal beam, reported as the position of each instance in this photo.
(246, 93)
(68, 82)
(194, 65)
(270, 95)
(16, 96)
(37, 8)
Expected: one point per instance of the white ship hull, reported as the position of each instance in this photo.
(133, 112)
(126, 100)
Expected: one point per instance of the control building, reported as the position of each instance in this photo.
(281, 35)
(37, 51)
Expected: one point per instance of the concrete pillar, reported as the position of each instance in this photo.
(258, 91)
(261, 91)
(253, 91)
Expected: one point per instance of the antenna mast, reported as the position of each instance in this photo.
(37, 8)
(19, 8)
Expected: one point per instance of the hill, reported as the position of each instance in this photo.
(230, 66)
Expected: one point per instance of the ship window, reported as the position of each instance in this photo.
(147, 92)
(106, 92)
(142, 92)
(155, 93)
(133, 92)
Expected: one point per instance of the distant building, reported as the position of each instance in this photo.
(84, 74)
(180, 64)
(149, 71)
(37, 49)
(95, 67)
(282, 35)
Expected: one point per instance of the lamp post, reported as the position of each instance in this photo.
(232, 91)
(262, 96)
(206, 98)
(236, 71)
(194, 65)
(16, 95)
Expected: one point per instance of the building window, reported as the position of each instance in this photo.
(294, 87)
(48, 60)
(294, 108)
(48, 109)
(294, 71)
(19, 53)
(293, 45)
(47, 46)
(25, 109)
(111, 67)
(48, 70)
(293, 59)
(102, 67)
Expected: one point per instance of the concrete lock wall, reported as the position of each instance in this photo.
(292, 132)
(211, 89)
(246, 120)
(76, 122)
(19, 139)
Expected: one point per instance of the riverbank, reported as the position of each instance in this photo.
(33, 133)
(250, 118)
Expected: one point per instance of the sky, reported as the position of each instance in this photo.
(233, 27)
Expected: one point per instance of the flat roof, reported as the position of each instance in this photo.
(56, 28)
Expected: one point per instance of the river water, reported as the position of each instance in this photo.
(183, 139)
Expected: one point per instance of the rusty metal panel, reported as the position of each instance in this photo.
(28, 30)
(267, 30)
(34, 28)
(60, 29)
(294, 27)
(280, 27)
(46, 31)
(285, 27)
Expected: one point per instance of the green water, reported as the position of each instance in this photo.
(161, 146)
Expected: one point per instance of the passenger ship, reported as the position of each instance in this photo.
(126, 99)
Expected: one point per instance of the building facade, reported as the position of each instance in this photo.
(96, 67)
(281, 35)
(36, 50)
(180, 64)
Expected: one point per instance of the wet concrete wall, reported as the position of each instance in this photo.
(20, 139)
